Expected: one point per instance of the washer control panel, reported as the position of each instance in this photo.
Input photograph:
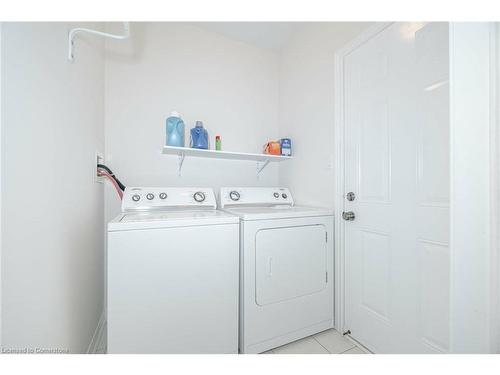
(254, 196)
(149, 198)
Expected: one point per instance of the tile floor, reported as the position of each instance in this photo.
(327, 342)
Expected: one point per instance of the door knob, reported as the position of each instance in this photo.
(348, 216)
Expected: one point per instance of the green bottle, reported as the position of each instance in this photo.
(217, 143)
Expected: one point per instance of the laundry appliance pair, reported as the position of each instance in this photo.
(186, 277)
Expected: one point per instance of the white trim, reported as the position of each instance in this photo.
(472, 214)
(98, 337)
(495, 182)
(1, 170)
(339, 168)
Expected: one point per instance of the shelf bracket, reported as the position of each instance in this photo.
(261, 166)
(180, 162)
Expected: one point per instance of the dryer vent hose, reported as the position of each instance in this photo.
(102, 166)
(104, 171)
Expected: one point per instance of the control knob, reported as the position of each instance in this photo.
(150, 196)
(234, 195)
(199, 196)
(163, 195)
(136, 197)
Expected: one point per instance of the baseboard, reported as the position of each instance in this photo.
(98, 335)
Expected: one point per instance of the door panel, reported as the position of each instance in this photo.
(290, 262)
(434, 294)
(396, 155)
(374, 166)
(433, 164)
(433, 187)
(431, 44)
(376, 272)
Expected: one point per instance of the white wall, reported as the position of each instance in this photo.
(306, 108)
(52, 228)
(229, 85)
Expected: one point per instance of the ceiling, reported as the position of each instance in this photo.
(269, 35)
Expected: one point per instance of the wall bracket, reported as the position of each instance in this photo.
(261, 166)
(78, 30)
(180, 162)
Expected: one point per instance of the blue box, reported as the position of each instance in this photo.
(286, 146)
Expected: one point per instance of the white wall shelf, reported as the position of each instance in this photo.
(262, 159)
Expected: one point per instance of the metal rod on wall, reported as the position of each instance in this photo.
(74, 32)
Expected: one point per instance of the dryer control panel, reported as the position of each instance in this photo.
(254, 196)
(150, 198)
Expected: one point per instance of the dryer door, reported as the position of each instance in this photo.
(290, 262)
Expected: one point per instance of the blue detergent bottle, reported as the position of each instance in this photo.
(175, 130)
(199, 136)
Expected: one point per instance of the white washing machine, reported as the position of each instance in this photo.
(173, 263)
(286, 267)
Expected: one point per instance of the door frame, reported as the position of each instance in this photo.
(1, 171)
(495, 97)
(339, 172)
(492, 198)
(474, 211)
(495, 181)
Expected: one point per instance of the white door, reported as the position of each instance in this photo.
(397, 166)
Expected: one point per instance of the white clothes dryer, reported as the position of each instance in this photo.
(286, 267)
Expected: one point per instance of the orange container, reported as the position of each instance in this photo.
(272, 148)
